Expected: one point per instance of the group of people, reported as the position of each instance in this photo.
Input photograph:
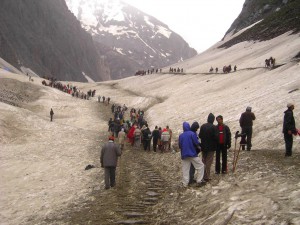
(211, 140)
(226, 69)
(174, 70)
(137, 130)
(145, 72)
(161, 138)
(270, 62)
(69, 88)
(103, 99)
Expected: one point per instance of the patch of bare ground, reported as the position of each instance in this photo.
(18, 93)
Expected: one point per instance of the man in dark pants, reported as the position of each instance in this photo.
(289, 128)
(146, 138)
(155, 136)
(246, 123)
(108, 159)
(209, 140)
(223, 144)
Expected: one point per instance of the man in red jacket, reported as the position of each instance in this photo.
(224, 143)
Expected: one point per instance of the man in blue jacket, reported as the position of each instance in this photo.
(188, 144)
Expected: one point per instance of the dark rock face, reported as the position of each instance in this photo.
(253, 11)
(274, 22)
(134, 40)
(47, 38)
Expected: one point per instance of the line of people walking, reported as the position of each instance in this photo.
(212, 141)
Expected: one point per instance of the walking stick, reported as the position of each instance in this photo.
(234, 153)
(237, 158)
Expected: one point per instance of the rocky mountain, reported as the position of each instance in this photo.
(47, 38)
(268, 18)
(134, 40)
(277, 16)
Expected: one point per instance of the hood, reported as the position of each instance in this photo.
(195, 126)
(186, 126)
(211, 118)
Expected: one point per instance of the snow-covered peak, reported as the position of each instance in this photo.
(128, 32)
(90, 12)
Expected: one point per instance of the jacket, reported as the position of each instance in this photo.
(227, 135)
(289, 122)
(109, 154)
(188, 142)
(131, 132)
(209, 135)
(146, 134)
(246, 119)
(165, 135)
(155, 134)
(121, 137)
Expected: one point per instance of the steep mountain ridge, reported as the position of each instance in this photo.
(45, 37)
(275, 23)
(134, 39)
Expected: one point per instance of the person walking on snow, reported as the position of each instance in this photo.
(121, 138)
(246, 123)
(155, 136)
(108, 160)
(189, 145)
(51, 114)
(289, 128)
(146, 138)
(170, 140)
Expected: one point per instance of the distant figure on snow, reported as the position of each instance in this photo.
(289, 128)
(51, 114)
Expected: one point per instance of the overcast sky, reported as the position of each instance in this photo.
(201, 23)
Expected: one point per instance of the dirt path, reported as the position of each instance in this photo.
(139, 188)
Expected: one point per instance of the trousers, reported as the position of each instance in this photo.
(199, 167)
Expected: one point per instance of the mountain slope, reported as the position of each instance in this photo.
(126, 31)
(47, 38)
(273, 24)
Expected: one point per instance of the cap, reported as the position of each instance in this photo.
(111, 138)
(289, 105)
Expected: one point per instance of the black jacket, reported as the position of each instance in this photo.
(246, 119)
(155, 134)
(209, 135)
(146, 134)
(289, 122)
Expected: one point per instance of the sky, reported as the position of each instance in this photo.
(201, 23)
